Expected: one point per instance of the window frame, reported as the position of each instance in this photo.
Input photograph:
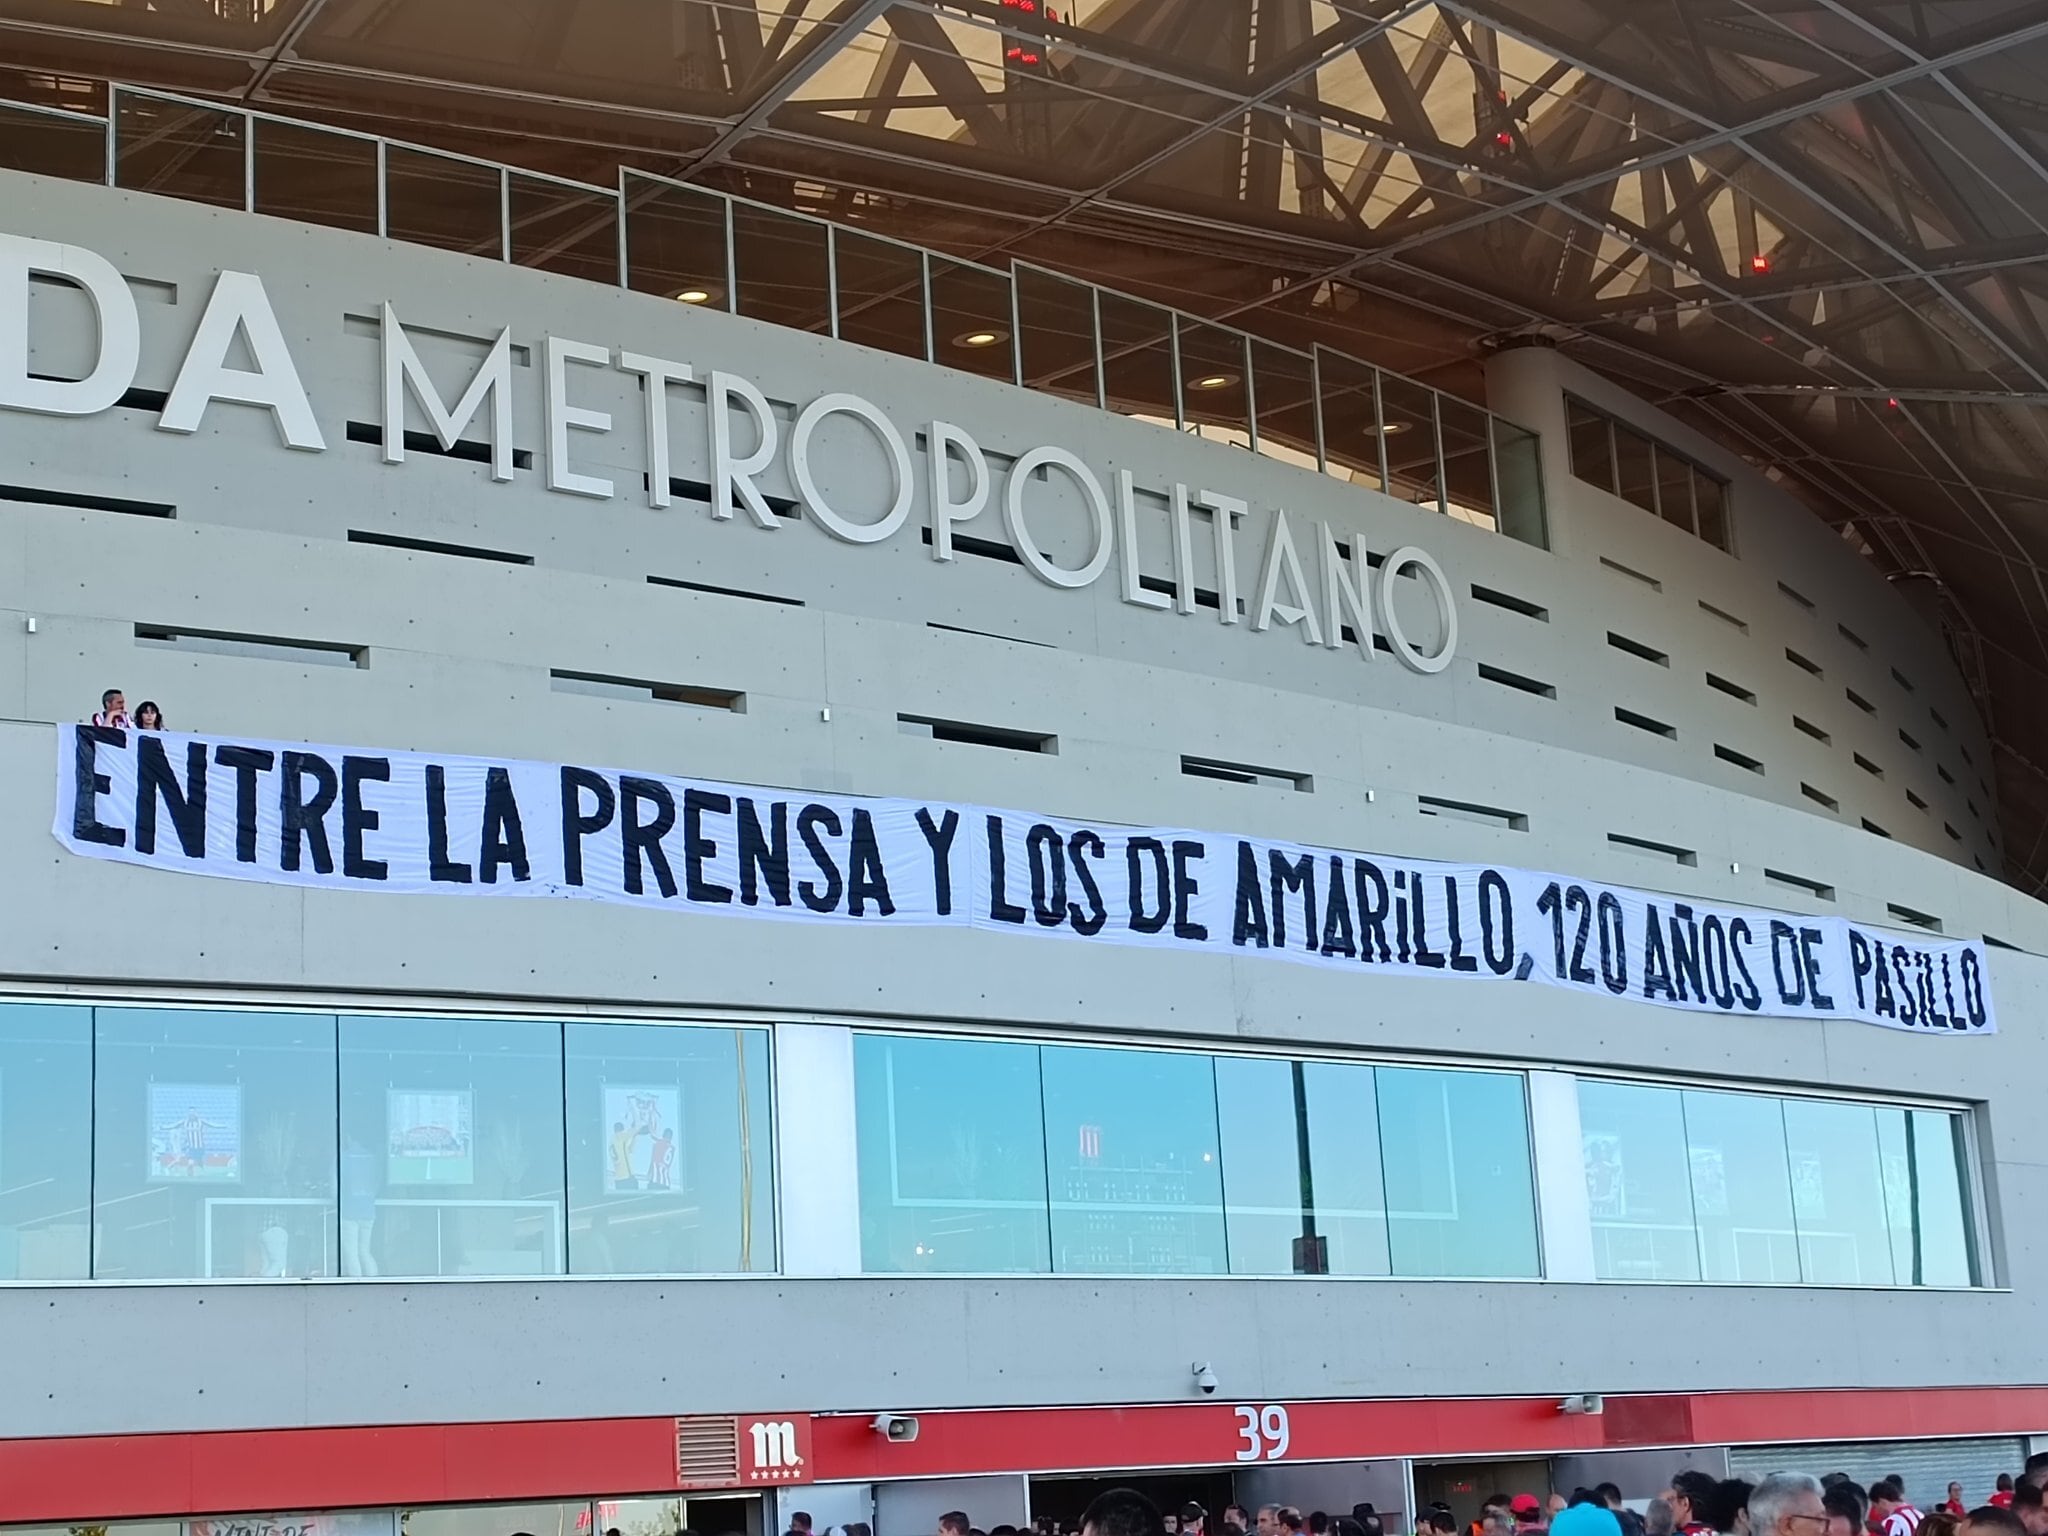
(1659, 447)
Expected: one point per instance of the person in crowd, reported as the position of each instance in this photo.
(1318, 1523)
(1846, 1510)
(1731, 1506)
(1692, 1500)
(1659, 1519)
(148, 717)
(1938, 1522)
(1002, 1530)
(113, 710)
(1786, 1504)
(1556, 1505)
(1171, 1523)
(1992, 1520)
(1496, 1504)
(1369, 1524)
(2036, 1470)
(2001, 1493)
(1953, 1504)
(1585, 1515)
(856, 1528)
(2027, 1505)
(799, 1521)
(1890, 1510)
(1631, 1523)
(1497, 1523)
(1193, 1519)
(1269, 1520)
(1527, 1510)
(955, 1523)
(1122, 1512)
(1441, 1522)
(1291, 1520)
(1236, 1520)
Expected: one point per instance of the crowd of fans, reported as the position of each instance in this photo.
(1695, 1504)
(113, 711)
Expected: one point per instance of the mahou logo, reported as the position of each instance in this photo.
(775, 1450)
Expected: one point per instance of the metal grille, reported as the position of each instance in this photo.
(1928, 1466)
(707, 1453)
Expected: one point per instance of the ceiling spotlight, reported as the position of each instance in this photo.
(1392, 429)
(987, 338)
(694, 296)
(1214, 381)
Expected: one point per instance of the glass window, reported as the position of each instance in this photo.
(1674, 489)
(1137, 360)
(451, 1147)
(971, 320)
(213, 1144)
(1741, 1188)
(1926, 1200)
(1058, 339)
(1838, 1193)
(175, 150)
(1710, 496)
(570, 230)
(1638, 1182)
(1592, 446)
(675, 242)
(952, 1155)
(45, 1142)
(315, 177)
(881, 293)
(780, 268)
(456, 205)
(1408, 415)
(1460, 1195)
(1271, 1112)
(1214, 399)
(1468, 463)
(669, 1166)
(1132, 1162)
(1635, 474)
(1518, 470)
(1351, 419)
(1284, 397)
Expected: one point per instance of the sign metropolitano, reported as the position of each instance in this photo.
(958, 480)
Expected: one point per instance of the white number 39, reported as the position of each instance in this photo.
(1262, 1432)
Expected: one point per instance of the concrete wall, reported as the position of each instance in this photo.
(458, 659)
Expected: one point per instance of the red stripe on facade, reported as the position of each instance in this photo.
(91, 1479)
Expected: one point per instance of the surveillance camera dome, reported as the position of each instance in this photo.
(1205, 1378)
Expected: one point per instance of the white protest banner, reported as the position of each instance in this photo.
(351, 818)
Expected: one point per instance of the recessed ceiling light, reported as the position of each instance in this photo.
(1392, 427)
(986, 338)
(694, 296)
(1214, 381)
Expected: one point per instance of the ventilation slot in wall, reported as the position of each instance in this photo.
(1852, 637)
(1812, 730)
(1665, 852)
(35, 496)
(988, 634)
(220, 642)
(1724, 616)
(1953, 835)
(1915, 801)
(1998, 943)
(1902, 680)
(969, 735)
(1509, 601)
(1515, 680)
(1935, 715)
(1208, 597)
(425, 442)
(599, 685)
(1867, 765)
(1968, 759)
(1926, 921)
(1639, 650)
(987, 549)
(1874, 829)
(1944, 775)
(1797, 596)
(1971, 807)
(433, 547)
(1485, 815)
(1733, 690)
(1820, 797)
(1632, 574)
(1801, 662)
(1909, 741)
(1245, 773)
(1799, 883)
(1645, 723)
(1859, 701)
(740, 592)
(1730, 755)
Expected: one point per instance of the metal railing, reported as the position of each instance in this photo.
(1318, 408)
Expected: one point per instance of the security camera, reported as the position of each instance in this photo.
(1583, 1402)
(896, 1428)
(1204, 1378)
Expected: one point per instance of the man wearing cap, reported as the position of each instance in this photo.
(1192, 1518)
(1528, 1512)
(1586, 1517)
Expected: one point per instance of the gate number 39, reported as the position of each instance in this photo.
(1261, 1432)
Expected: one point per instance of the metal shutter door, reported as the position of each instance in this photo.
(1929, 1466)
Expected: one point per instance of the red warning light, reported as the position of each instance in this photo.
(1030, 58)
(1759, 262)
(1504, 139)
(1892, 402)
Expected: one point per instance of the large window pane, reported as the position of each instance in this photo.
(1212, 382)
(213, 1144)
(1137, 360)
(45, 1141)
(1131, 1148)
(1058, 334)
(1674, 489)
(451, 1151)
(1925, 1197)
(675, 243)
(1711, 499)
(1592, 446)
(1351, 419)
(1635, 468)
(1265, 1106)
(1638, 1182)
(1284, 400)
(881, 293)
(1518, 471)
(1837, 1193)
(669, 1167)
(780, 268)
(1468, 463)
(1741, 1188)
(1460, 1195)
(952, 1155)
(1408, 417)
(971, 320)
